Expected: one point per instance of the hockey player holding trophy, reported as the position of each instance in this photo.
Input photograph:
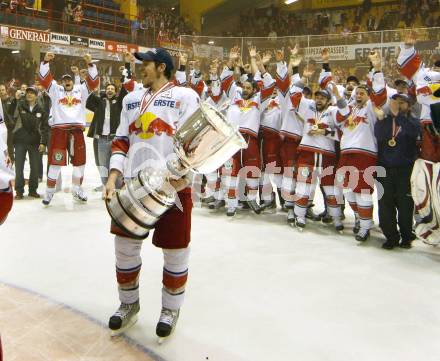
(165, 135)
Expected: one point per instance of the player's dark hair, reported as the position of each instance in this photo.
(167, 72)
(113, 84)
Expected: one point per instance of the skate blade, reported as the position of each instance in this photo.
(114, 333)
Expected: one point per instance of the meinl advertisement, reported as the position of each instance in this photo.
(96, 44)
(57, 38)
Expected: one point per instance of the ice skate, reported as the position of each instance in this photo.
(123, 318)
(300, 223)
(286, 206)
(291, 218)
(208, 200)
(217, 204)
(357, 226)
(167, 323)
(338, 225)
(362, 235)
(48, 197)
(311, 215)
(230, 212)
(79, 195)
(325, 217)
(254, 206)
(270, 204)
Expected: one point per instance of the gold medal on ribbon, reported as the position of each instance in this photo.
(395, 130)
(351, 125)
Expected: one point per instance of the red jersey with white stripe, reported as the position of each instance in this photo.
(149, 120)
(246, 114)
(68, 107)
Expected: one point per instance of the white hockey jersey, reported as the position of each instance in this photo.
(68, 107)
(358, 131)
(326, 119)
(144, 137)
(271, 118)
(246, 114)
(292, 126)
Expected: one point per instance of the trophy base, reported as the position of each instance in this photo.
(126, 222)
(141, 203)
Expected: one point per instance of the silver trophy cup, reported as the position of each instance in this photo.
(203, 144)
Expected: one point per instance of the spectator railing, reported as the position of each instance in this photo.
(348, 53)
(106, 23)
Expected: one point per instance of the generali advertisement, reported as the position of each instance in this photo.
(22, 34)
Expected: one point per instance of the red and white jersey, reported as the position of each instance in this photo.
(68, 107)
(144, 137)
(327, 119)
(271, 118)
(425, 79)
(246, 114)
(358, 130)
(220, 102)
(6, 172)
(292, 126)
(217, 97)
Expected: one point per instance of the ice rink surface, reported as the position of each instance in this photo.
(258, 290)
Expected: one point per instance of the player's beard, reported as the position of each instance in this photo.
(247, 96)
(320, 107)
(149, 80)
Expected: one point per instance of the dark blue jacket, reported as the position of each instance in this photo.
(405, 152)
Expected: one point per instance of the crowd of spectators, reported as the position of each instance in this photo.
(163, 24)
(16, 66)
(271, 22)
(16, 5)
(73, 12)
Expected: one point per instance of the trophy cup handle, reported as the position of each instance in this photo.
(176, 169)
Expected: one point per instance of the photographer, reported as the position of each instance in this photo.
(30, 134)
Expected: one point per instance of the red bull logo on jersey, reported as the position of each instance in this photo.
(69, 101)
(246, 105)
(148, 125)
(313, 121)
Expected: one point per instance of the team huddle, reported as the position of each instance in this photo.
(351, 139)
(297, 138)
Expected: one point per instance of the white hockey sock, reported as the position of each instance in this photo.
(365, 210)
(128, 266)
(52, 175)
(175, 275)
(78, 175)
